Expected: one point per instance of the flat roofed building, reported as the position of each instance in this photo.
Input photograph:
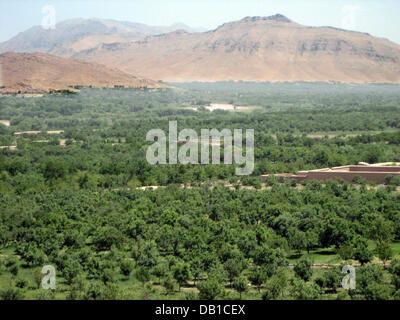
(377, 173)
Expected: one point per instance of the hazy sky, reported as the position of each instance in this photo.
(377, 17)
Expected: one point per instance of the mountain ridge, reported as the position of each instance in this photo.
(257, 49)
(43, 73)
(272, 48)
(37, 39)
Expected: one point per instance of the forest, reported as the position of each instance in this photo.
(79, 195)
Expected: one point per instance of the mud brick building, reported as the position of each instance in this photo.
(377, 173)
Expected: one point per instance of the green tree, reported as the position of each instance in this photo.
(257, 277)
(181, 273)
(93, 291)
(160, 270)
(37, 277)
(311, 240)
(11, 293)
(143, 275)
(303, 268)
(12, 265)
(196, 268)
(110, 291)
(240, 284)
(297, 239)
(362, 253)
(345, 251)
(108, 276)
(269, 258)
(168, 217)
(14, 269)
(71, 269)
(146, 254)
(301, 290)
(381, 230)
(21, 283)
(394, 270)
(378, 291)
(275, 286)
(45, 295)
(210, 289)
(169, 284)
(233, 267)
(126, 267)
(331, 279)
(107, 236)
(54, 169)
(368, 275)
(336, 231)
(384, 252)
(77, 288)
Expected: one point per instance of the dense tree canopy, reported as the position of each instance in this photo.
(81, 208)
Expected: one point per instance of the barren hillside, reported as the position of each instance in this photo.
(27, 72)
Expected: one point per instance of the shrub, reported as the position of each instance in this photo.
(21, 283)
(303, 268)
(304, 291)
(210, 289)
(359, 180)
(11, 293)
(45, 295)
(143, 275)
(126, 267)
(345, 251)
(107, 276)
(275, 286)
(240, 284)
(395, 180)
(169, 284)
(181, 273)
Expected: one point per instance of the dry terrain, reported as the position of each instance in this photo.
(255, 49)
(252, 49)
(32, 73)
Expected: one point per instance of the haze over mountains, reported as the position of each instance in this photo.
(252, 49)
(83, 34)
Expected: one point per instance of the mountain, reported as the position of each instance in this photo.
(40, 72)
(254, 49)
(81, 34)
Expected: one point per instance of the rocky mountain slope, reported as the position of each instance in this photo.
(39, 72)
(252, 49)
(256, 49)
